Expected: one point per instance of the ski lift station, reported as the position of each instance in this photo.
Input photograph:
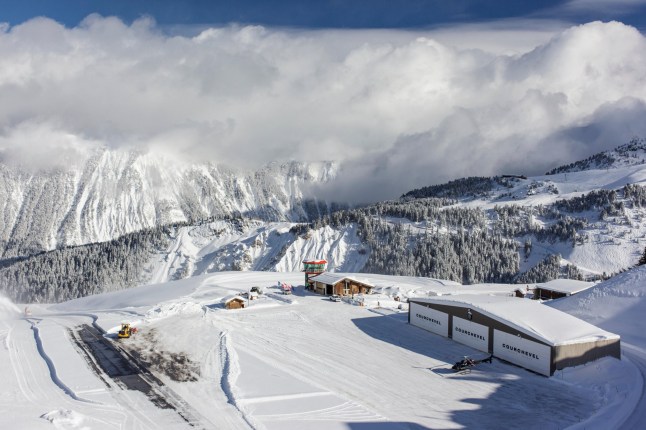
(523, 332)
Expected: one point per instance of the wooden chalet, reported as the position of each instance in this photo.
(342, 285)
(235, 302)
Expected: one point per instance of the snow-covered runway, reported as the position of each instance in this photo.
(290, 362)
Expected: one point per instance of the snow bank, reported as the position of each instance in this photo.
(166, 310)
(148, 295)
(617, 305)
(65, 419)
(8, 309)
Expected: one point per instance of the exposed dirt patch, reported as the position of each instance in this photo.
(176, 365)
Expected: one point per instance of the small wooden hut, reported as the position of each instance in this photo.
(235, 302)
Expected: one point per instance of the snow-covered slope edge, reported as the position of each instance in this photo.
(248, 349)
(618, 305)
(257, 246)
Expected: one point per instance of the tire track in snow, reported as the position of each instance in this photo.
(52, 369)
(348, 411)
(230, 372)
(6, 334)
(343, 409)
(18, 369)
(638, 357)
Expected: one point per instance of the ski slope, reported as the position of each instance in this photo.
(284, 362)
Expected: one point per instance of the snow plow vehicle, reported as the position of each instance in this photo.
(126, 331)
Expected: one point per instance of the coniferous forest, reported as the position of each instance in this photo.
(424, 236)
(68, 273)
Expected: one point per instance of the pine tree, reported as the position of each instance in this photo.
(642, 259)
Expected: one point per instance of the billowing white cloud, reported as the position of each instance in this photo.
(399, 109)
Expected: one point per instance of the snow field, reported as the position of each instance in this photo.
(290, 362)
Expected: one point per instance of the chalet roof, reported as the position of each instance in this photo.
(329, 278)
(528, 316)
(565, 286)
(231, 298)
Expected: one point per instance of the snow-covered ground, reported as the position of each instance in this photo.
(296, 361)
(618, 305)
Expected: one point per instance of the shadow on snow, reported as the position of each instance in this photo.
(517, 398)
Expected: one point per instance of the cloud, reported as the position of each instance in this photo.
(397, 109)
(604, 6)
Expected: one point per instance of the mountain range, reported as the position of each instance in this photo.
(128, 219)
(115, 192)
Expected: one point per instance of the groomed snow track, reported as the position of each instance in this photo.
(112, 362)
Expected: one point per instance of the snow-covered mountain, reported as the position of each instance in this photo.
(583, 221)
(116, 192)
(252, 245)
(589, 213)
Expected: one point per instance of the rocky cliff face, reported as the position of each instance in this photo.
(116, 192)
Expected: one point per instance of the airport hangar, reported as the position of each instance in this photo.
(521, 331)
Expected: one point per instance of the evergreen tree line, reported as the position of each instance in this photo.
(465, 187)
(68, 273)
(604, 159)
(431, 210)
(475, 246)
(466, 257)
(516, 221)
(548, 269)
(460, 244)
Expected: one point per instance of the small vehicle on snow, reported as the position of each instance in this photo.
(335, 298)
(286, 288)
(125, 331)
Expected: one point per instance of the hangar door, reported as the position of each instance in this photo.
(523, 352)
(429, 319)
(471, 334)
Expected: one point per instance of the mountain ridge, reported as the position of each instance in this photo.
(585, 224)
(118, 192)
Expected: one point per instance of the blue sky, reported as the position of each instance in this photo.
(327, 13)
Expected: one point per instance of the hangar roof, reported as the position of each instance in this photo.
(528, 316)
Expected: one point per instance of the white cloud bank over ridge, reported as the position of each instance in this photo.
(399, 109)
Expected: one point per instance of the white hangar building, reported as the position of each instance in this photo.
(522, 332)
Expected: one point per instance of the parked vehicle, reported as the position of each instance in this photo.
(335, 298)
(286, 288)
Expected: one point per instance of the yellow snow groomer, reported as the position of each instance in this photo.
(125, 330)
